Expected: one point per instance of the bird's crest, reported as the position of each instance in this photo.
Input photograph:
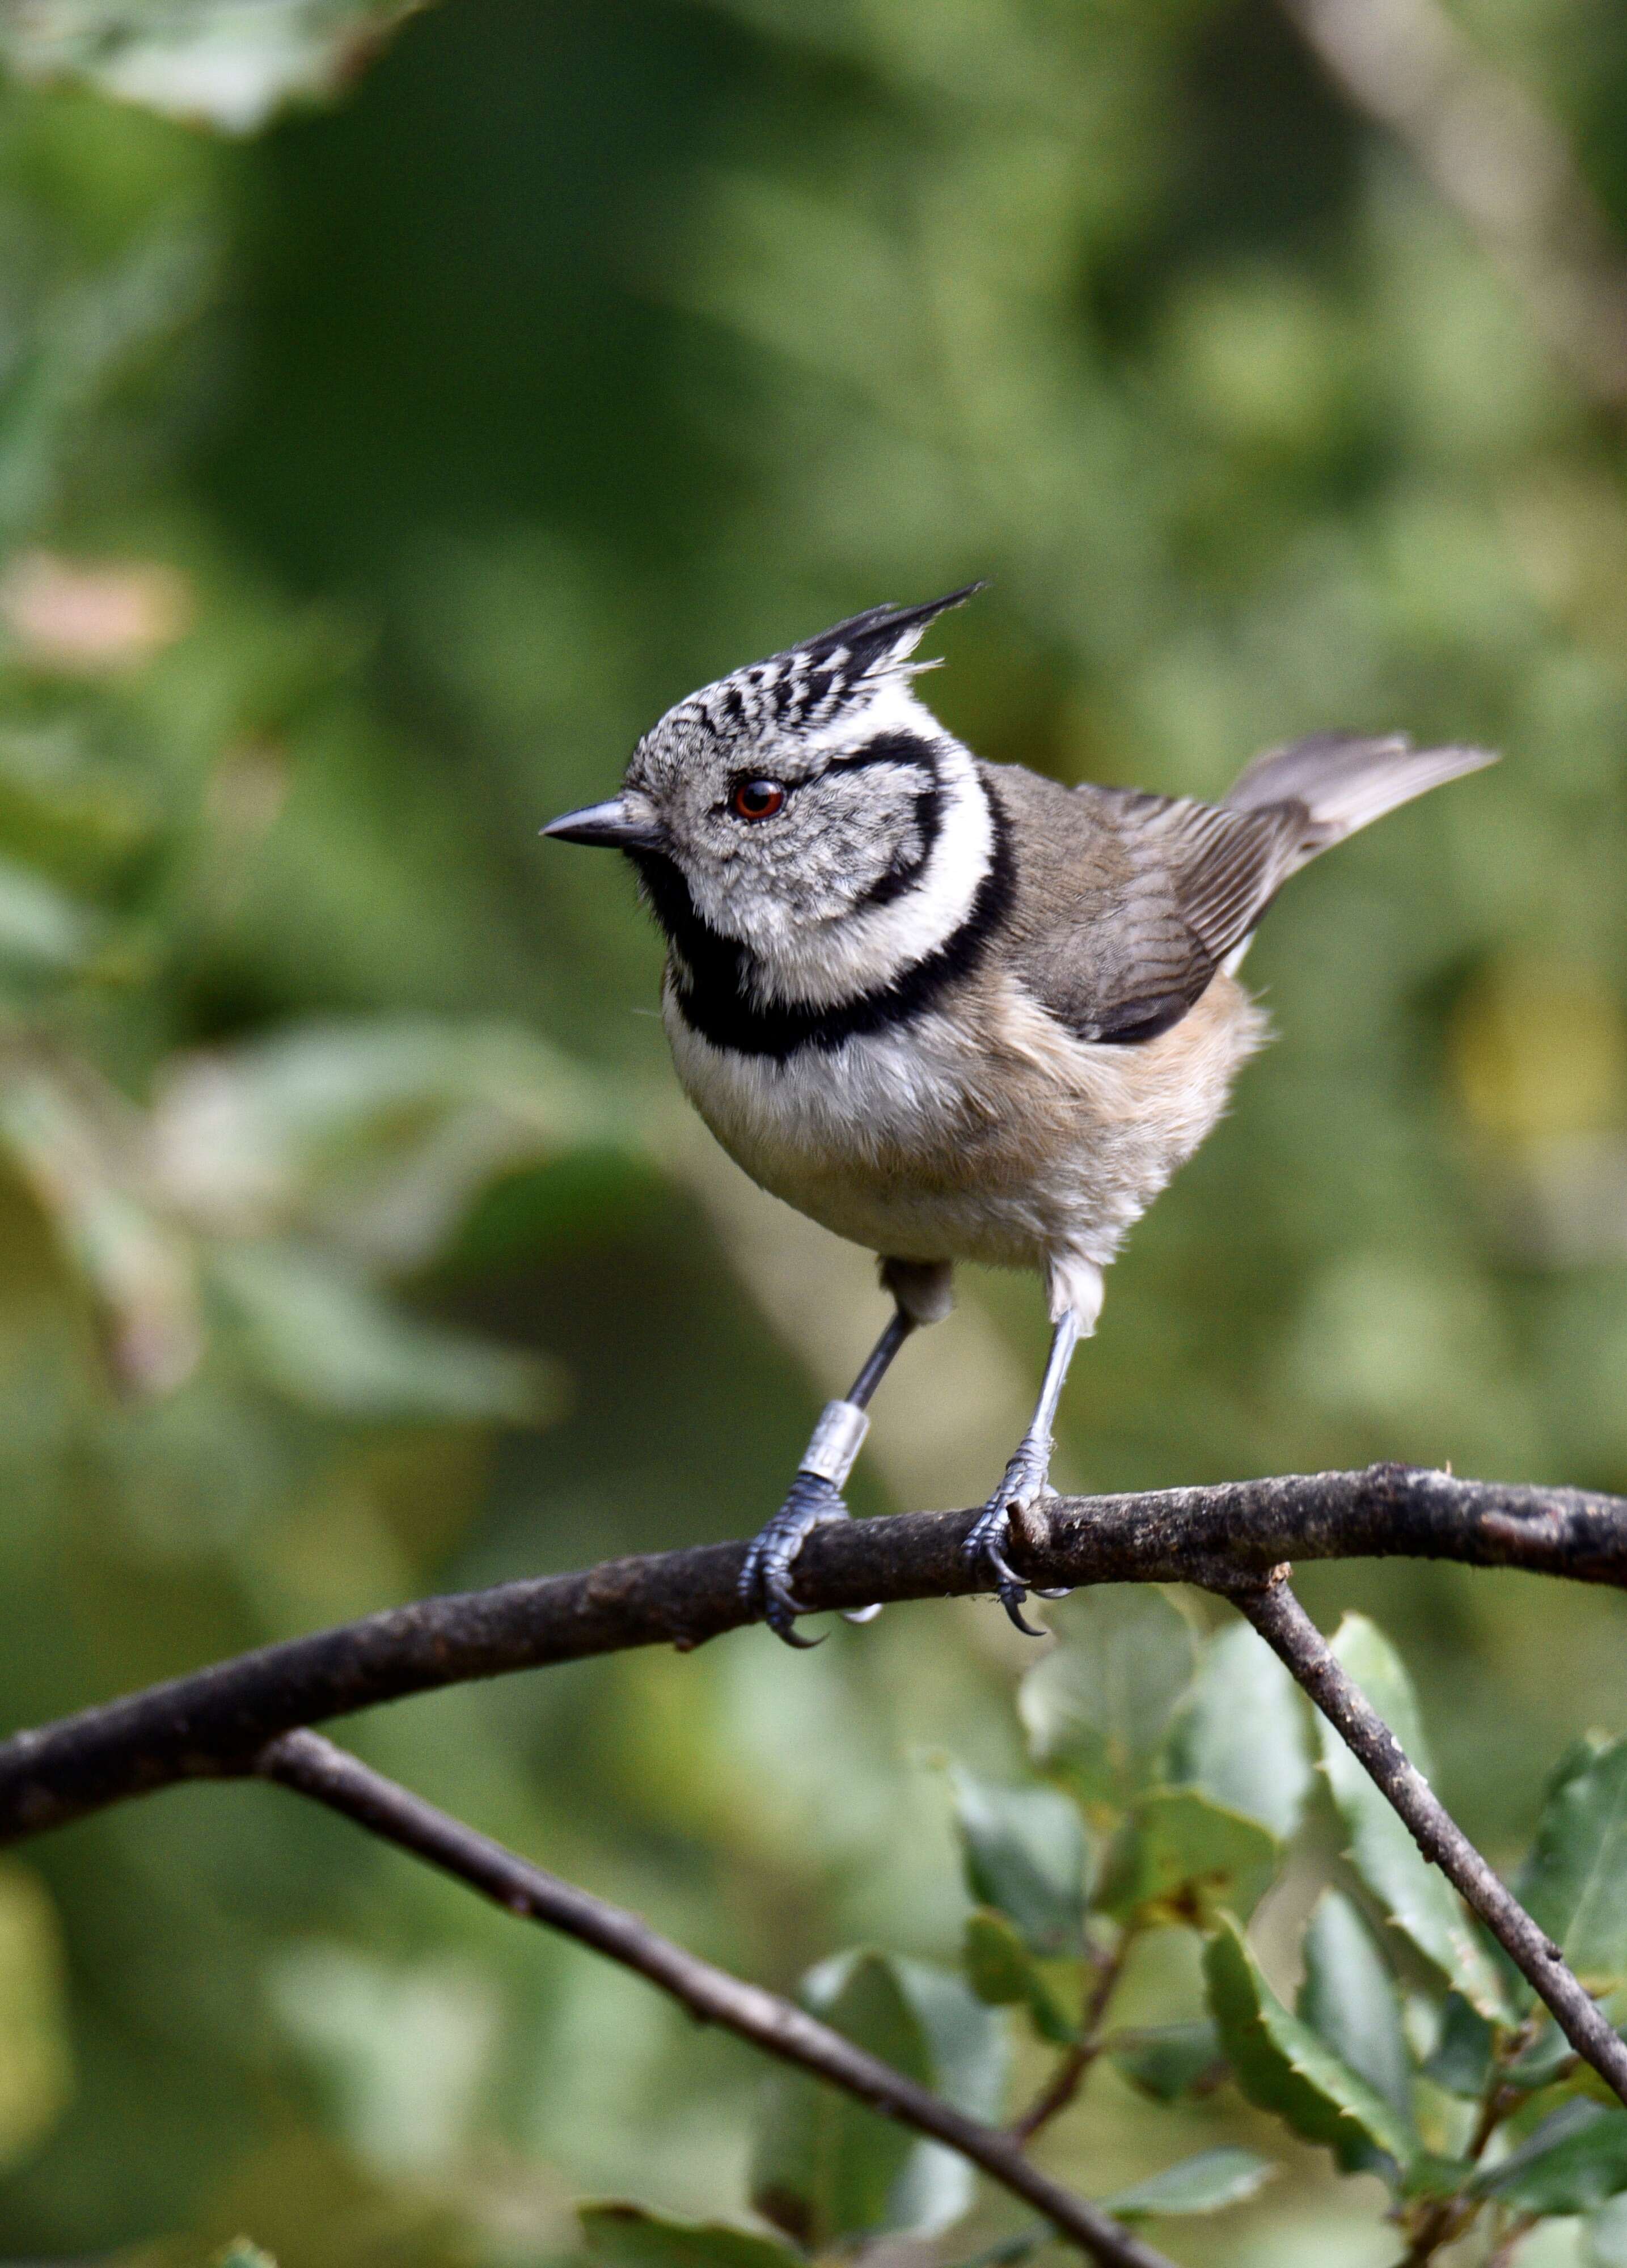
(809, 684)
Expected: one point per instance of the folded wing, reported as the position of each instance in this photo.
(1133, 902)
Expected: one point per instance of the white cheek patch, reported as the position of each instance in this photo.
(824, 963)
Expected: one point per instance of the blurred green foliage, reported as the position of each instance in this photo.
(366, 485)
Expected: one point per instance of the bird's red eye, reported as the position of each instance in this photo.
(758, 798)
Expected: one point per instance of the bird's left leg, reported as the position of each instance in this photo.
(1076, 1302)
(923, 1294)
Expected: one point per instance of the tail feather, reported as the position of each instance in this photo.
(1346, 780)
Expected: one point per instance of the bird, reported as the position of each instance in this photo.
(952, 1009)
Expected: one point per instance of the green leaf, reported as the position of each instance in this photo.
(62, 810)
(319, 1334)
(995, 1960)
(629, 2236)
(1206, 2183)
(36, 2058)
(1584, 1750)
(827, 2170)
(1167, 2061)
(227, 63)
(1461, 2058)
(372, 1136)
(1281, 2064)
(1416, 1896)
(967, 2044)
(1240, 1734)
(1542, 2061)
(966, 2047)
(1349, 2000)
(1604, 2236)
(42, 931)
(824, 2167)
(87, 333)
(1025, 1854)
(1575, 1883)
(1179, 1858)
(1009, 2252)
(1432, 2176)
(242, 2252)
(71, 1140)
(1575, 2160)
(1097, 1707)
(1001, 1973)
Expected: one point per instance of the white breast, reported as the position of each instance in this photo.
(890, 1095)
(1001, 1139)
(854, 1135)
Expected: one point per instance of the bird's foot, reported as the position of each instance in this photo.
(765, 1575)
(1027, 1484)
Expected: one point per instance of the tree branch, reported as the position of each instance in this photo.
(212, 1724)
(1282, 1623)
(1498, 160)
(315, 1767)
(243, 1717)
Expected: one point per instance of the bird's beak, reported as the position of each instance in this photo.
(613, 826)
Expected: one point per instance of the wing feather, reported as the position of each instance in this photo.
(1128, 903)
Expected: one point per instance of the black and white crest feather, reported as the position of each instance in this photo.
(808, 685)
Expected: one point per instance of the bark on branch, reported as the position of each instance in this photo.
(213, 1724)
(315, 1767)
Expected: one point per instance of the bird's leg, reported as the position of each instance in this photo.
(815, 1495)
(1028, 1478)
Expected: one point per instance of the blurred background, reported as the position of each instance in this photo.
(372, 471)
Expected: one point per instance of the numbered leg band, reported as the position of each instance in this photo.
(837, 1439)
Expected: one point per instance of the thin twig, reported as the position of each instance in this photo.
(1069, 2076)
(1498, 159)
(315, 1767)
(1443, 2222)
(1503, 2258)
(1057, 2091)
(211, 1725)
(1282, 1623)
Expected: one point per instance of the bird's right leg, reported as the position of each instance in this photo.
(923, 1296)
(1075, 1303)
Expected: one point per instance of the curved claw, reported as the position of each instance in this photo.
(1011, 1590)
(1009, 1579)
(984, 1551)
(1012, 1603)
(765, 1584)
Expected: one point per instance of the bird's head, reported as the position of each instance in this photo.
(795, 807)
